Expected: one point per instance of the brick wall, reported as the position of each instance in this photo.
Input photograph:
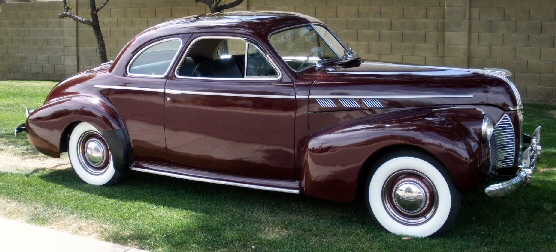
(513, 34)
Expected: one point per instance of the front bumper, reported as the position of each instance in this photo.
(528, 164)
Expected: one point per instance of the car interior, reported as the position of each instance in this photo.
(224, 58)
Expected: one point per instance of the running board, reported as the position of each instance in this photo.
(286, 186)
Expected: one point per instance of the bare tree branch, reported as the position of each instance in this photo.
(76, 18)
(215, 6)
(66, 7)
(229, 6)
(207, 2)
(102, 6)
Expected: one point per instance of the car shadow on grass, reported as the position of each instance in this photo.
(227, 217)
(231, 218)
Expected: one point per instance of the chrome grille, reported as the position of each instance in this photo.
(502, 144)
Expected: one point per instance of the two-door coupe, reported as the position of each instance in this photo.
(274, 101)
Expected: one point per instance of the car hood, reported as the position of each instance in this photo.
(384, 85)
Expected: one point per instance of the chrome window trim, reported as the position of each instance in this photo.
(147, 47)
(270, 61)
(333, 35)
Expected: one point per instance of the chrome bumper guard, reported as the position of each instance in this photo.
(22, 127)
(529, 158)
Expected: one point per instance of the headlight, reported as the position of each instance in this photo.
(487, 128)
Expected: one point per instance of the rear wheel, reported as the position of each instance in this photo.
(90, 156)
(410, 193)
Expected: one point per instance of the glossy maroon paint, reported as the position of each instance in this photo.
(290, 142)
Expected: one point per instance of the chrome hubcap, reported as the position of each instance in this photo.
(95, 152)
(409, 197)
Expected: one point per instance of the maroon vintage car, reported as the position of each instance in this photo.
(274, 101)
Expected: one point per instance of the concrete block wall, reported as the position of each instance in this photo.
(34, 43)
(519, 36)
(512, 34)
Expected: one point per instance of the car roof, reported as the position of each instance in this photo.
(259, 24)
(250, 21)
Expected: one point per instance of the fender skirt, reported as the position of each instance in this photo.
(120, 147)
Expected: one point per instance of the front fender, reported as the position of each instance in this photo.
(335, 158)
(47, 124)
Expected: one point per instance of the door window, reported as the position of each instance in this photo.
(228, 58)
(156, 59)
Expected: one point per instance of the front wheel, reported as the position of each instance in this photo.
(410, 193)
(90, 156)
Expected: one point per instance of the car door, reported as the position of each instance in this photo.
(229, 112)
(139, 97)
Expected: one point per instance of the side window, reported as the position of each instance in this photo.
(156, 59)
(257, 64)
(224, 58)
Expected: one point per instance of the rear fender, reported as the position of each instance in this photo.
(335, 158)
(47, 124)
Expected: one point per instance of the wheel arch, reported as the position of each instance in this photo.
(375, 158)
(64, 138)
(50, 125)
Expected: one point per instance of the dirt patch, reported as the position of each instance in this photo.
(18, 164)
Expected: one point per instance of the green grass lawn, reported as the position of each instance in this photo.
(165, 214)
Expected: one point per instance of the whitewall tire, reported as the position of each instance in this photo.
(410, 193)
(90, 156)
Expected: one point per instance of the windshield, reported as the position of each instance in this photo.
(306, 46)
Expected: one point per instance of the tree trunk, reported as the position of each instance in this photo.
(98, 32)
(93, 22)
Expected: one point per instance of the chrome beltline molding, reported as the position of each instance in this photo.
(170, 91)
(159, 90)
(214, 181)
(387, 96)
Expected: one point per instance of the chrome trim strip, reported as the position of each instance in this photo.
(159, 90)
(228, 79)
(372, 103)
(387, 96)
(214, 181)
(349, 103)
(170, 91)
(326, 103)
